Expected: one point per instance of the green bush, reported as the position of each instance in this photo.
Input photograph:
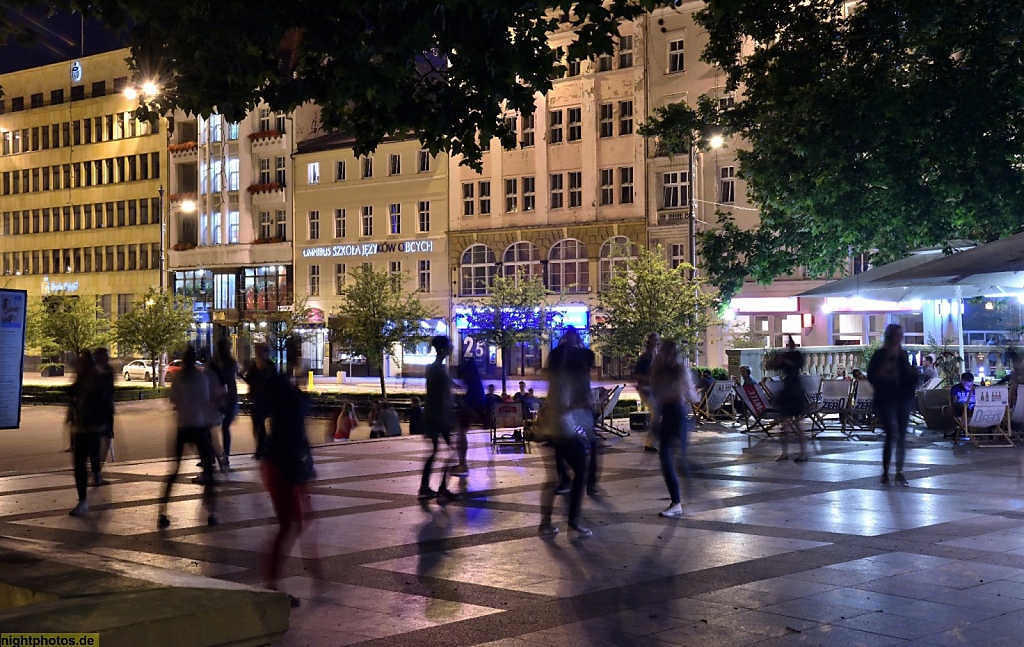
(718, 372)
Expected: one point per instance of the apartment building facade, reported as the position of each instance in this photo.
(388, 210)
(79, 183)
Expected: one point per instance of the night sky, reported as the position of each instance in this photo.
(59, 38)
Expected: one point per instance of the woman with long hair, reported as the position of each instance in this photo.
(792, 403)
(673, 390)
(895, 383)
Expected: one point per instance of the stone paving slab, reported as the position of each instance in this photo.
(768, 553)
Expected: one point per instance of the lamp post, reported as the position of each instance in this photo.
(163, 241)
(715, 142)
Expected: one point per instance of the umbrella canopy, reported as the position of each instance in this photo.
(861, 284)
(998, 265)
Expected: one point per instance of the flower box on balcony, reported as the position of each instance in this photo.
(268, 241)
(183, 247)
(182, 148)
(264, 135)
(267, 187)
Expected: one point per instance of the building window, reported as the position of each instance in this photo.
(605, 63)
(233, 227)
(367, 221)
(625, 51)
(521, 260)
(282, 224)
(485, 198)
(568, 267)
(279, 119)
(282, 170)
(555, 123)
(233, 131)
(607, 186)
(572, 68)
(339, 171)
(264, 119)
(313, 172)
(423, 210)
(677, 253)
(395, 218)
(529, 193)
(314, 225)
(314, 280)
(264, 170)
(467, 199)
(266, 225)
(861, 263)
(625, 118)
(529, 127)
(477, 270)
(727, 102)
(575, 124)
(339, 277)
(395, 268)
(557, 190)
(727, 186)
(675, 190)
(606, 120)
(575, 189)
(511, 195)
(423, 276)
(339, 223)
(625, 185)
(423, 161)
(367, 167)
(394, 164)
(675, 56)
(616, 253)
(233, 173)
(512, 124)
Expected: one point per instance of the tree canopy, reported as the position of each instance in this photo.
(646, 295)
(65, 323)
(868, 127)
(376, 317)
(444, 70)
(158, 323)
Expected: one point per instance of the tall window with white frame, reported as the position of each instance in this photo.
(313, 173)
(395, 268)
(511, 195)
(266, 225)
(282, 224)
(625, 185)
(677, 255)
(468, 200)
(557, 190)
(625, 51)
(395, 218)
(674, 190)
(233, 173)
(676, 62)
(575, 124)
(476, 271)
(512, 123)
(555, 125)
(607, 186)
(625, 118)
(367, 167)
(339, 277)
(423, 213)
(485, 197)
(423, 276)
(606, 120)
(367, 222)
(279, 121)
(264, 119)
(314, 225)
(394, 164)
(234, 224)
(314, 280)
(605, 63)
(529, 193)
(339, 223)
(423, 161)
(529, 131)
(727, 187)
(339, 171)
(264, 170)
(575, 189)
(282, 170)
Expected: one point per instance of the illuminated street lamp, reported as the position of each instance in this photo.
(715, 142)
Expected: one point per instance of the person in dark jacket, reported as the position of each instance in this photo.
(258, 377)
(226, 368)
(105, 373)
(895, 382)
(416, 418)
(87, 414)
(792, 401)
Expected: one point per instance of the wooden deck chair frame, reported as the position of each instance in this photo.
(988, 424)
(762, 421)
(506, 420)
(835, 401)
(812, 391)
(860, 414)
(717, 402)
(605, 421)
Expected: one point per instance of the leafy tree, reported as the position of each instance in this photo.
(376, 318)
(63, 323)
(276, 327)
(445, 70)
(513, 313)
(645, 296)
(159, 323)
(868, 127)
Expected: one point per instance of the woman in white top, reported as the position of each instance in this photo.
(673, 389)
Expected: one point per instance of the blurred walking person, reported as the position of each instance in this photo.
(258, 377)
(286, 469)
(792, 402)
(673, 391)
(642, 374)
(570, 420)
(226, 368)
(895, 383)
(87, 416)
(104, 448)
(438, 418)
(474, 408)
(193, 396)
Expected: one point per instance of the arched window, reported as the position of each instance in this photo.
(615, 253)
(477, 270)
(521, 258)
(568, 267)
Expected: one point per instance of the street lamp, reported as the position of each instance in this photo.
(715, 142)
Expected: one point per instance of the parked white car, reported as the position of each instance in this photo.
(140, 369)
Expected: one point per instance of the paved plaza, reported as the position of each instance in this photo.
(768, 553)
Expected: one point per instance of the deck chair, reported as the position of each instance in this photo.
(933, 383)
(758, 416)
(507, 424)
(988, 424)
(812, 389)
(860, 413)
(717, 402)
(774, 390)
(1017, 414)
(606, 410)
(835, 400)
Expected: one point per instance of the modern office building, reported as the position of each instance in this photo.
(389, 210)
(79, 183)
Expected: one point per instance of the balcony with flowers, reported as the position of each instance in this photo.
(183, 150)
(266, 138)
(267, 192)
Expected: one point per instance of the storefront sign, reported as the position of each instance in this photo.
(76, 72)
(52, 287)
(314, 316)
(12, 349)
(369, 249)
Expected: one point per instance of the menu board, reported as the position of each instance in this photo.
(13, 305)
